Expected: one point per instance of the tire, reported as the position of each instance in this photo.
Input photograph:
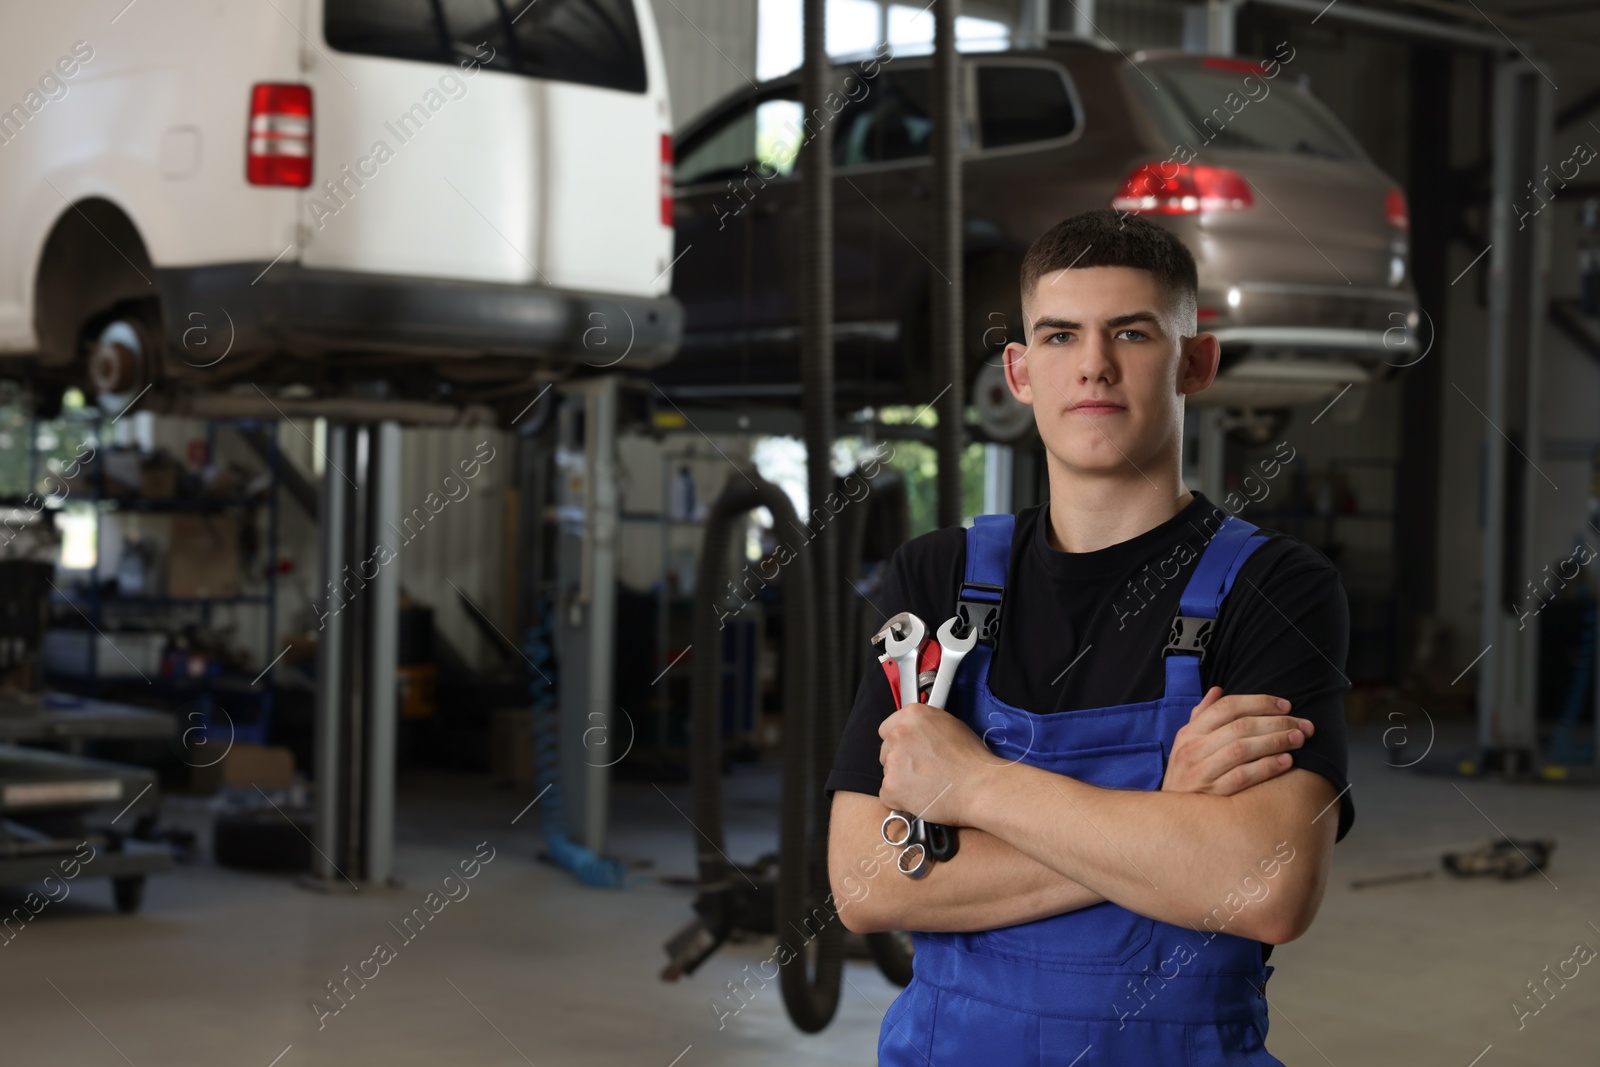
(893, 954)
(1263, 427)
(263, 841)
(128, 892)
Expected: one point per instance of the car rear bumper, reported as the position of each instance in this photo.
(283, 306)
(1369, 324)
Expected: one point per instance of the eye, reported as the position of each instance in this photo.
(1138, 334)
(1057, 338)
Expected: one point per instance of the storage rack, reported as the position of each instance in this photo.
(93, 603)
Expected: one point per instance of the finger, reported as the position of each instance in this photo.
(1213, 695)
(1235, 706)
(1241, 750)
(1250, 725)
(1254, 773)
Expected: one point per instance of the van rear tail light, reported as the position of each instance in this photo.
(1395, 209)
(666, 179)
(1182, 189)
(279, 150)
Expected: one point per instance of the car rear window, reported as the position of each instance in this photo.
(590, 42)
(1020, 104)
(1229, 107)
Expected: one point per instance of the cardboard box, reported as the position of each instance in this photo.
(245, 766)
(204, 558)
(158, 479)
(511, 746)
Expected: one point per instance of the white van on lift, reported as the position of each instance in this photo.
(460, 198)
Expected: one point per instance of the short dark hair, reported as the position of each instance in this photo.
(1108, 238)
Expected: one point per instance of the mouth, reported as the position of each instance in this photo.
(1097, 407)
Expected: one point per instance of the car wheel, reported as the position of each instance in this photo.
(1001, 416)
(120, 359)
(1252, 429)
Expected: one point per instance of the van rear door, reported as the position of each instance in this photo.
(490, 140)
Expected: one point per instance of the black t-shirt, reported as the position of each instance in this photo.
(1086, 630)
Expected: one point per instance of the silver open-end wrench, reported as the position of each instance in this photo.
(902, 640)
(952, 650)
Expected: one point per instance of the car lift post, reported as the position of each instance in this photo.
(584, 627)
(356, 658)
(1518, 269)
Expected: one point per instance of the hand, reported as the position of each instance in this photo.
(932, 762)
(1232, 743)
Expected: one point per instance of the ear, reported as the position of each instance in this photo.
(1197, 365)
(1016, 364)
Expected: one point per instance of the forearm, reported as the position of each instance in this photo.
(1174, 857)
(987, 884)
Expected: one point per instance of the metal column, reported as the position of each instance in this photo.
(1507, 708)
(357, 657)
(586, 614)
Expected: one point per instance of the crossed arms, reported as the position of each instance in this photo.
(1036, 844)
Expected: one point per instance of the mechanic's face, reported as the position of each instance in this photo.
(1106, 370)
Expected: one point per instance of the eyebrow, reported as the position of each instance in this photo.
(1120, 320)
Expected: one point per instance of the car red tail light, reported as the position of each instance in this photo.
(666, 179)
(279, 148)
(1395, 209)
(1243, 66)
(1182, 189)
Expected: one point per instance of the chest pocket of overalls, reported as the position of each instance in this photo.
(1106, 934)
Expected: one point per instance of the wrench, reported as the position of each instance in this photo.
(952, 650)
(939, 839)
(903, 644)
(903, 636)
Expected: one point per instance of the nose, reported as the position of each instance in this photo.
(1094, 362)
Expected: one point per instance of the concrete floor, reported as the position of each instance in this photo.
(220, 967)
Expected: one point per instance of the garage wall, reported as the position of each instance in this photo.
(710, 49)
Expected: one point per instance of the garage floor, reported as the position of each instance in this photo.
(530, 968)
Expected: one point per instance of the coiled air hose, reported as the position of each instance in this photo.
(803, 886)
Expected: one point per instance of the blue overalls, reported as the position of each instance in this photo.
(1101, 983)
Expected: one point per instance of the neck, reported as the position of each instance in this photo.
(1089, 512)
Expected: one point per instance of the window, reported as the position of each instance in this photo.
(891, 122)
(1193, 107)
(763, 138)
(1020, 104)
(589, 42)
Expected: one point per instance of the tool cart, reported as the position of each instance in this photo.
(47, 801)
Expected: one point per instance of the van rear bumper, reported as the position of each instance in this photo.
(286, 307)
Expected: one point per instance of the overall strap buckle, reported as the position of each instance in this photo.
(1191, 635)
(978, 606)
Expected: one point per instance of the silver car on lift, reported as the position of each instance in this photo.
(1300, 239)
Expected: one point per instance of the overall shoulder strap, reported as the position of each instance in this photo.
(1219, 565)
(1213, 577)
(984, 582)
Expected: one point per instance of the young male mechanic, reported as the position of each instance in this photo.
(1145, 758)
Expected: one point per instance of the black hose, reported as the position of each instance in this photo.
(812, 1003)
(949, 349)
(803, 885)
(886, 490)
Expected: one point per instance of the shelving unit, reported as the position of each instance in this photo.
(100, 609)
